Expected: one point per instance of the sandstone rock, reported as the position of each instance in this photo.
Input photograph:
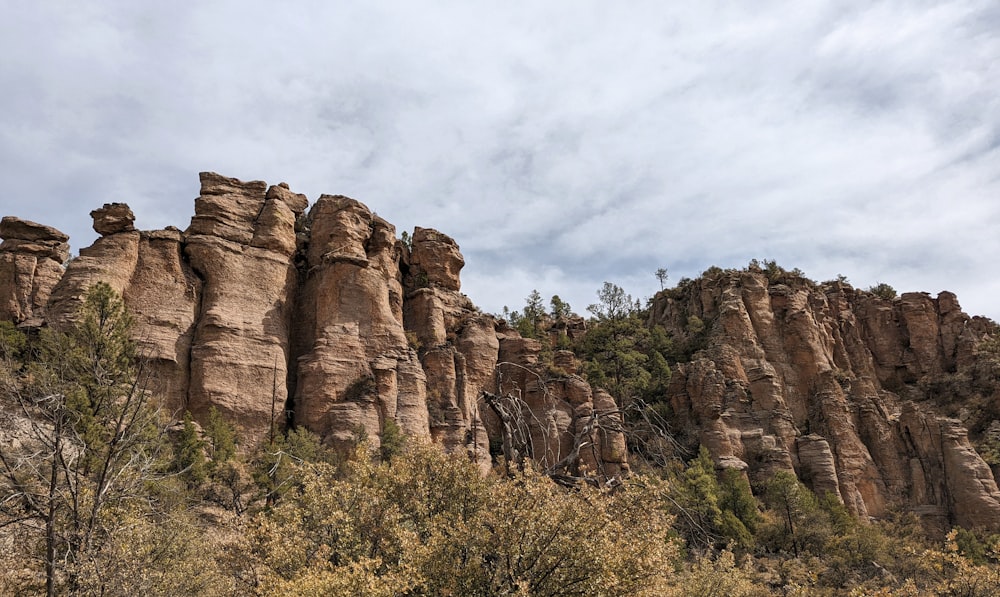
(58, 252)
(436, 258)
(295, 201)
(355, 366)
(802, 377)
(817, 464)
(947, 471)
(31, 258)
(164, 296)
(111, 259)
(241, 245)
(16, 228)
(113, 218)
(227, 208)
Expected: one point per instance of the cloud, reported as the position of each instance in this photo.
(562, 143)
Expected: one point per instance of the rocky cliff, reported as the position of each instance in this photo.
(847, 389)
(276, 313)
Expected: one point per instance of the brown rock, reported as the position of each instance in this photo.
(164, 295)
(16, 228)
(259, 306)
(111, 259)
(435, 259)
(227, 208)
(240, 349)
(355, 367)
(802, 377)
(113, 218)
(31, 258)
(295, 201)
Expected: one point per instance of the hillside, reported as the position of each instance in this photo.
(290, 324)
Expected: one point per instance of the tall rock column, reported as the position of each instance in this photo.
(458, 345)
(355, 369)
(164, 295)
(241, 243)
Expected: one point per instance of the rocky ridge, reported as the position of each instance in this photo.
(832, 383)
(276, 313)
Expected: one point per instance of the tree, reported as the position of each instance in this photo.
(612, 303)
(528, 321)
(661, 275)
(189, 457)
(801, 524)
(92, 441)
(618, 346)
(534, 309)
(221, 437)
(560, 308)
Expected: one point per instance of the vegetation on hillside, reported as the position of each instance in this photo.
(100, 495)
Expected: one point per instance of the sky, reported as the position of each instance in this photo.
(562, 143)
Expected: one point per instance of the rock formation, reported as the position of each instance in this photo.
(275, 315)
(831, 383)
(31, 259)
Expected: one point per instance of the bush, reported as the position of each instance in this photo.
(430, 524)
(883, 291)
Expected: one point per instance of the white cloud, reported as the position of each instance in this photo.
(562, 144)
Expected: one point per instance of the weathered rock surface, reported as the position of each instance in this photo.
(113, 218)
(830, 382)
(164, 295)
(241, 244)
(31, 258)
(355, 368)
(323, 319)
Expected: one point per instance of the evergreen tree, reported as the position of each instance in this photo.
(190, 454)
(93, 445)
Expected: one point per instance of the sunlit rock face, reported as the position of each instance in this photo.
(831, 383)
(31, 260)
(275, 313)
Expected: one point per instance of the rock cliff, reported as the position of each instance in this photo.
(276, 313)
(837, 385)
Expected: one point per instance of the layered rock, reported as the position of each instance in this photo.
(111, 259)
(324, 320)
(164, 295)
(821, 380)
(241, 244)
(458, 346)
(31, 259)
(355, 368)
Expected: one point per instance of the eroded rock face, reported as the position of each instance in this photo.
(164, 295)
(322, 319)
(241, 244)
(356, 369)
(435, 259)
(113, 218)
(819, 380)
(31, 258)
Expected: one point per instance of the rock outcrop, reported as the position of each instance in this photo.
(31, 260)
(241, 244)
(831, 383)
(275, 315)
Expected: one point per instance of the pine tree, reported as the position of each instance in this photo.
(93, 441)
